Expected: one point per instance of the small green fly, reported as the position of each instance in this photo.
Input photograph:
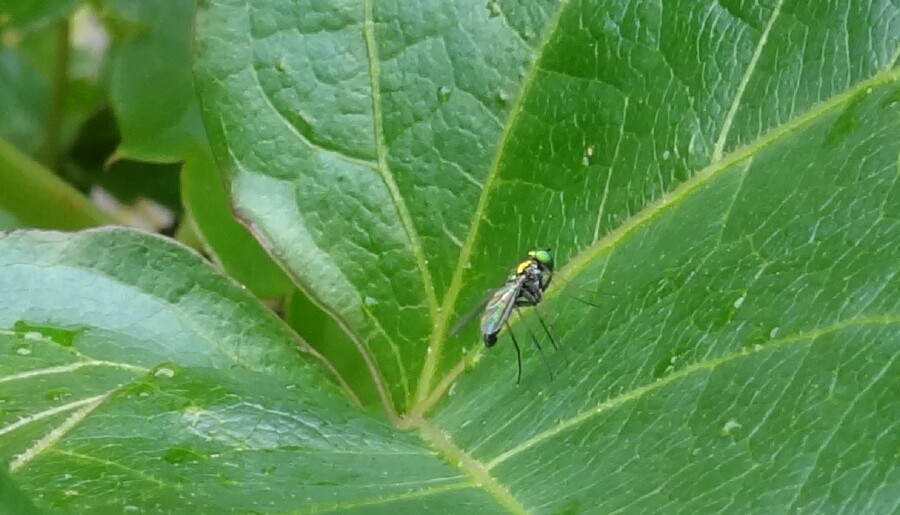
(523, 288)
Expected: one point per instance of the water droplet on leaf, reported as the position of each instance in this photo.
(57, 394)
(731, 426)
(493, 7)
(443, 93)
(164, 372)
(588, 155)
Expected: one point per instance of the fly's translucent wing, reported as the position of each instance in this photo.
(474, 312)
(500, 305)
(583, 295)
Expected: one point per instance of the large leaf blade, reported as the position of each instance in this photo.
(762, 351)
(335, 133)
(138, 379)
(727, 171)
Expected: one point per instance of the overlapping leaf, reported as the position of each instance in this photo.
(136, 378)
(726, 171)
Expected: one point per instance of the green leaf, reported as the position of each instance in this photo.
(12, 501)
(135, 378)
(323, 333)
(726, 171)
(31, 195)
(240, 255)
(150, 82)
(18, 16)
(23, 100)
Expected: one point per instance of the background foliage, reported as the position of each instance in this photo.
(721, 177)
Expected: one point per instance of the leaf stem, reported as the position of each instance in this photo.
(27, 190)
(476, 470)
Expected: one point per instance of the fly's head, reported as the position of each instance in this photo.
(543, 261)
(543, 258)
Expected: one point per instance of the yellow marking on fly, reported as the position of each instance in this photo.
(523, 266)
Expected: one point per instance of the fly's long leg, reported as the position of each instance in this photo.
(556, 346)
(537, 344)
(591, 294)
(586, 303)
(518, 352)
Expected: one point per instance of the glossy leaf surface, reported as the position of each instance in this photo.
(139, 379)
(727, 171)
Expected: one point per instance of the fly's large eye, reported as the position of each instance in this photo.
(543, 257)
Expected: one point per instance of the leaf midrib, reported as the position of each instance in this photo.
(387, 177)
(439, 331)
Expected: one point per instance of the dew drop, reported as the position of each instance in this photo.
(729, 427)
(370, 301)
(23, 350)
(443, 93)
(493, 7)
(609, 25)
(739, 301)
(588, 155)
(774, 332)
(164, 372)
(57, 394)
(694, 144)
(666, 155)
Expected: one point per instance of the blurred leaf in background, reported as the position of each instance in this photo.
(130, 136)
